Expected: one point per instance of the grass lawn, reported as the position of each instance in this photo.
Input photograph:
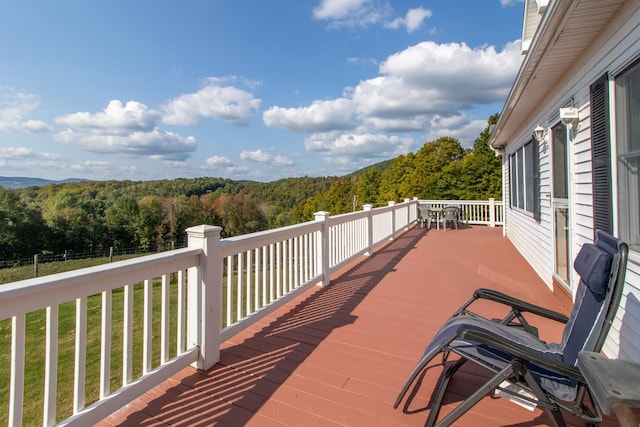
(35, 338)
(35, 347)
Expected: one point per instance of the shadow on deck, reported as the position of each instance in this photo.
(339, 355)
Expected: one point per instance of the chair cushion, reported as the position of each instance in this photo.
(593, 265)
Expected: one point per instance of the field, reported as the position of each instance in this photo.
(35, 344)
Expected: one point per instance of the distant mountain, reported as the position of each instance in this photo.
(23, 182)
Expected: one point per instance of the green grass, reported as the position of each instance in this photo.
(35, 351)
(35, 340)
(8, 275)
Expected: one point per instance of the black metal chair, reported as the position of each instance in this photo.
(525, 367)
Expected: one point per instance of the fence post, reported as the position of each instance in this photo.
(35, 265)
(393, 220)
(369, 209)
(492, 212)
(323, 248)
(406, 202)
(205, 295)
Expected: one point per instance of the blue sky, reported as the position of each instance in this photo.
(244, 89)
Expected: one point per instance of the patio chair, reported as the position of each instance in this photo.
(450, 214)
(523, 366)
(426, 216)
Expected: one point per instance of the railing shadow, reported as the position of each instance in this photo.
(257, 362)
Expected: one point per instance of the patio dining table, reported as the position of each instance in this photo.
(437, 212)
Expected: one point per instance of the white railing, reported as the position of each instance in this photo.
(203, 295)
(477, 212)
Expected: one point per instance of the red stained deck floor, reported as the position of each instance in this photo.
(338, 356)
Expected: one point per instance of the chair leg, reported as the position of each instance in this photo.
(471, 401)
(416, 371)
(551, 409)
(440, 390)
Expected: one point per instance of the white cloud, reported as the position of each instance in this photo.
(215, 100)
(125, 130)
(261, 156)
(351, 13)
(156, 144)
(458, 126)
(363, 145)
(412, 21)
(349, 151)
(24, 153)
(431, 79)
(320, 116)
(222, 164)
(94, 167)
(505, 3)
(15, 107)
(114, 119)
(215, 162)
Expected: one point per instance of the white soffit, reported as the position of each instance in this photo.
(566, 30)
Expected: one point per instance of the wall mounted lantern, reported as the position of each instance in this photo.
(569, 117)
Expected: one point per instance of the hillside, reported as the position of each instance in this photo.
(17, 182)
(92, 215)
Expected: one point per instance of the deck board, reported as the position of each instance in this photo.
(338, 356)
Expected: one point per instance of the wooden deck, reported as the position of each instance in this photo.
(338, 356)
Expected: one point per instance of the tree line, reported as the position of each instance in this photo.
(95, 215)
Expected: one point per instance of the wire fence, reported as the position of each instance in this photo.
(71, 255)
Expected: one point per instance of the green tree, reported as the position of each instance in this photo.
(22, 230)
(148, 227)
(120, 219)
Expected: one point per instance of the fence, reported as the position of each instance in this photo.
(180, 305)
(187, 301)
(70, 255)
(477, 212)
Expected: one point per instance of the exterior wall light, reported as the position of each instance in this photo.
(569, 117)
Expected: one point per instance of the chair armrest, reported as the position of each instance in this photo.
(521, 352)
(523, 306)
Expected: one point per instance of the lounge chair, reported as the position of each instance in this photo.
(523, 366)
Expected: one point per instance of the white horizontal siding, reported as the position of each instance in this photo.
(624, 338)
(530, 237)
(615, 48)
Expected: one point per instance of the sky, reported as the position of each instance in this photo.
(245, 89)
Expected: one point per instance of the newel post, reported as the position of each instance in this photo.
(492, 212)
(369, 209)
(323, 247)
(393, 220)
(205, 295)
(406, 202)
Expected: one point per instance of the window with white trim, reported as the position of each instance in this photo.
(627, 118)
(523, 178)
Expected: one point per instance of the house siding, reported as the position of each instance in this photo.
(614, 48)
(529, 236)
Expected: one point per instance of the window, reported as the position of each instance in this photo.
(560, 175)
(524, 177)
(628, 139)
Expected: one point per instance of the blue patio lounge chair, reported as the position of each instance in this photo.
(511, 350)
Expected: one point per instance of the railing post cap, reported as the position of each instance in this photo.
(322, 215)
(367, 207)
(392, 203)
(204, 230)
